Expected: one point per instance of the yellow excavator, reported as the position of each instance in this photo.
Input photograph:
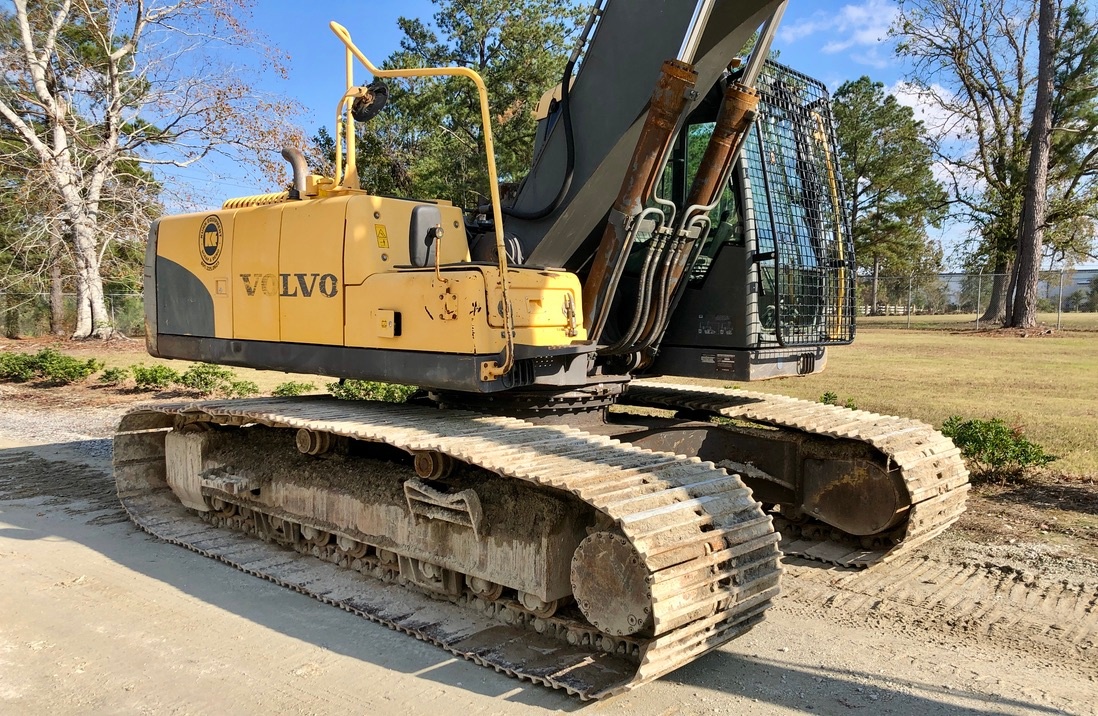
(536, 508)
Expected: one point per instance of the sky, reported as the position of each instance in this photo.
(832, 40)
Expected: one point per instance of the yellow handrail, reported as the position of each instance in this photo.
(491, 369)
(822, 137)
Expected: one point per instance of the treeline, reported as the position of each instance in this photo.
(95, 95)
(1009, 89)
(1009, 149)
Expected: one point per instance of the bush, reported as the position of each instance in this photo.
(206, 378)
(371, 390)
(16, 367)
(156, 377)
(292, 388)
(240, 389)
(58, 369)
(54, 367)
(114, 376)
(993, 448)
(832, 398)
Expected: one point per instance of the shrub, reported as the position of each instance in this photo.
(832, 398)
(240, 389)
(206, 378)
(16, 367)
(292, 388)
(54, 367)
(59, 369)
(371, 390)
(115, 375)
(155, 377)
(993, 448)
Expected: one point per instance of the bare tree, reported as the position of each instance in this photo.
(92, 85)
(975, 63)
(971, 64)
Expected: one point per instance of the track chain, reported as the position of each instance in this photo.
(930, 465)
(710, 553)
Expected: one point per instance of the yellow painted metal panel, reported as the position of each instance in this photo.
(437, 317)
(202, 243)
(257, 284)
(455, 315)
(377, 236)
(310, 266)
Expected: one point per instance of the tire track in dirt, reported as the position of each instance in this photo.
(82, 489)
(926, 597)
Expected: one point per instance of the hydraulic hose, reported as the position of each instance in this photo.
(570, 166)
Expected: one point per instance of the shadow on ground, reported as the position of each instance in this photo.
(75, 501)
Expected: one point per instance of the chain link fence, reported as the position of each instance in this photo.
(1069, 297)
(27, 315)
(1065, 298)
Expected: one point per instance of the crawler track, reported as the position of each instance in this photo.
(663, 504)
(930, 465)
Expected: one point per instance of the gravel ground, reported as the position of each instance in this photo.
(89, 430)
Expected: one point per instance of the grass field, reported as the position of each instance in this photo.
(1045, 384)
(967, 322)
(1048, 385)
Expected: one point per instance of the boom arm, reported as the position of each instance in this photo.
(609, 102)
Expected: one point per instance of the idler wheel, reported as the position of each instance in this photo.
(352, 548)
(312, 442)
(316, 537)
(610, 584)
(431, 465)
(538, 606)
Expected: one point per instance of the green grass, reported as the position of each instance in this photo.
(1046, 385)
(967, 322)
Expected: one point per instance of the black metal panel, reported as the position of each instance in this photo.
(448, 371)
(718, 363)
(183, 304)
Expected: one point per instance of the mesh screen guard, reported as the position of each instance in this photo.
(805, 251)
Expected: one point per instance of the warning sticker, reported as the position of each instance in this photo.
(382, 236)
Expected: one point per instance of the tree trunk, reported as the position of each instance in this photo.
(57, 301)
(1012, 289)
(875, 285)
(92, 319)
(996, 307)
(11, 315)
(1024, 314)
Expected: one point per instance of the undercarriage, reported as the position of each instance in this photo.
(591, 558)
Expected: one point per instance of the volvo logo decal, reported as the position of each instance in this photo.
(211, 241)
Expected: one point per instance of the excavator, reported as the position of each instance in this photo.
(542, 505)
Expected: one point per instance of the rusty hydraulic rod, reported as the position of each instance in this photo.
(669, 100)
(734, 119)
(736, 114)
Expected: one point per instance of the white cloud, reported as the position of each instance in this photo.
(929, 104)
(952, 132)
(863, 25)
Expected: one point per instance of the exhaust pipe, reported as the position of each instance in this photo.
(301, 169)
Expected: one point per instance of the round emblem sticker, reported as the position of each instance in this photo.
(211, 235)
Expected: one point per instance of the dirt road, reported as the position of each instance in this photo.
(97, 617)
